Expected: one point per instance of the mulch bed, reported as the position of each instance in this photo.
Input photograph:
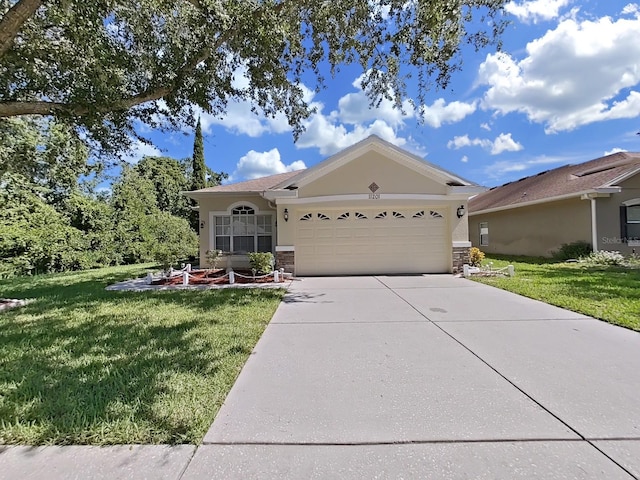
(214, 277)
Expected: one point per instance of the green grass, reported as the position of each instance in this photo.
(607, 293)
(81, 365)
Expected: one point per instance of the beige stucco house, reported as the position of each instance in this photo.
(596, 202)
(372, 208)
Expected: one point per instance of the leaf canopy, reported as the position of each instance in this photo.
(105, 66)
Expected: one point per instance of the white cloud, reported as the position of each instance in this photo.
(354, 108)
(240, 119)
(501, 169)
(261, 164)
(502, 143)
(485, 126)
(139, 150)
(439, 112)
(464, 159)
(324, 133)
(631, 8)
(535, 10)
(579, 73)
(614, 150)
(464, 141)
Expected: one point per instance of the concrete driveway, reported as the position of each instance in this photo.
(428, 377)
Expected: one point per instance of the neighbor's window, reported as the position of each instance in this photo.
(484, 233)
(243, 231)
(632, 222)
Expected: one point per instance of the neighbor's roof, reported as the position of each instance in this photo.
(560, 182)
(255, 185)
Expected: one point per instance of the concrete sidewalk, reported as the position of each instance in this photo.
(404, 377)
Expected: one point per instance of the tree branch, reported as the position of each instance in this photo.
(13, 21)
(18, 108)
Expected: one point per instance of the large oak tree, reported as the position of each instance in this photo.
(103, 65)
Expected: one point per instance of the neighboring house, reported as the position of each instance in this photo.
(372, 208)
(596, 202)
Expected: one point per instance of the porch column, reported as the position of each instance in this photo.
(594, 225)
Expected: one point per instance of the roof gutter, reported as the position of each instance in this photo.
(198, 195)
(273, 195)
(584, 195)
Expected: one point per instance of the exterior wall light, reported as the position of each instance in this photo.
(286, 214)
(201, 224)
(460, 211)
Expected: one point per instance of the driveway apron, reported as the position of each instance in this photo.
(428, 376)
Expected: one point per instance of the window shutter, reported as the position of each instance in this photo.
(623, 223)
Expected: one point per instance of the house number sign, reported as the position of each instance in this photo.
(374, 188)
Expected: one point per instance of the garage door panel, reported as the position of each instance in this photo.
(359, 245)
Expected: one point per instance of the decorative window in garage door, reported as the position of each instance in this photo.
(435, 214)
(382, 215)
(343, 216)
(361, 216)
(419, 214)
(306, 217)
(322, 216)
(397, 215)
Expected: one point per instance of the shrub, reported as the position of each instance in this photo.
(261, 262)
(604, 257)
(574, 250)
(476, 256)
(212, 257)
(170, 239)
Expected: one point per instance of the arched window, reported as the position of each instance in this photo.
(243, 231)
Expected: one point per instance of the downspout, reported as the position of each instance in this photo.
(594, 225)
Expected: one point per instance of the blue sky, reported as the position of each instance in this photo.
(564, 89)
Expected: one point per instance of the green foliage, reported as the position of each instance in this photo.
(169, 179)
(212, 257)
(262, 262)
(34, 237)
(47, 154)
(475, 256)
(171, 239)
(604, 257)
(199, 170)
(571, 251)
(198, 173)
(105, 67)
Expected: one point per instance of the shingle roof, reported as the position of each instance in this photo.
(567, 180)
(255, 185)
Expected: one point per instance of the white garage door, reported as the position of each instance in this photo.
(371, 241)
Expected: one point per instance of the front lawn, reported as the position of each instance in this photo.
(81, 365)
(609, 293)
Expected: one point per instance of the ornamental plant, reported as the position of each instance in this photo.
(212, 257)
(262, 262)
(604, 257)
(476, 256)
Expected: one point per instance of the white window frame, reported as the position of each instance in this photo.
(256, 227)
(484, 237)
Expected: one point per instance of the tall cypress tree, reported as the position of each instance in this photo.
(199, 179)
(198, 172)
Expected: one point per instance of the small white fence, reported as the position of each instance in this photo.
(278, 276)
(488, 271)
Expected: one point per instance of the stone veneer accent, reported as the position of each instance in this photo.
(286, 260)
(460, 257)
